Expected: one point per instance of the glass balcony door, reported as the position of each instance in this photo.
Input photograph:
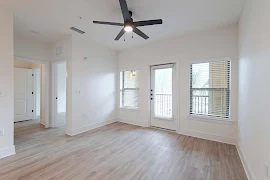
(161, 96)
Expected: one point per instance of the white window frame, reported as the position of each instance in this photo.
(207, 117)
(121, 73)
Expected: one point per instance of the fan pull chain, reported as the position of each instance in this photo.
(132, 34)
(125, 37)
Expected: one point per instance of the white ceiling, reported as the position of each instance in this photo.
(51, 19)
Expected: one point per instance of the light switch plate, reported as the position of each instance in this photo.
(1, 93)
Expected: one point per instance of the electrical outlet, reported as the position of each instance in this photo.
(2, 132)
(266, 170)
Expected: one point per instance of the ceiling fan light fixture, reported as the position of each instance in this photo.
(128, 28)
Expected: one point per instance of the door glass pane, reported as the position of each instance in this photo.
(163, 93)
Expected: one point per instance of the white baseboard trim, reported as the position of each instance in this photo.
(5, 152)
(90, 127)
(246, 165)
(197, 134)
(211, 137)
(132, 122)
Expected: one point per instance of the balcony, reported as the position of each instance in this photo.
(163, 105)
(200, 104)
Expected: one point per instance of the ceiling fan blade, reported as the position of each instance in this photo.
(122, 32)
(125, 10)
(140, 33)
(108, 23)
(148, 23)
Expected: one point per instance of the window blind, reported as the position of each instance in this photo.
(210, 89)
(129, 89)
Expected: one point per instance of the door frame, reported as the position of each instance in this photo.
(35, 91)
(46, 113)
(163, 66)
(176, 94)
(54, 93)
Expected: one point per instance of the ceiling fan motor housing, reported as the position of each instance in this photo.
(130, 21)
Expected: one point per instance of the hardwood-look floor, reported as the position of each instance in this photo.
(117, 151)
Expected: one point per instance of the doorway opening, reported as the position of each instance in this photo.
(162, 96)
(31, 94)
(59, 91)
(29, 82)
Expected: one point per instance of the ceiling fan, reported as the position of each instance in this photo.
(129, 25)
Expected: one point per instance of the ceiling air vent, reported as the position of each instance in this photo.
(77, 30)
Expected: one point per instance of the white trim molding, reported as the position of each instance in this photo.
(132, 122)
(5, 152)
(211, 137)
(210, 119)
(249, 173)
(90, 127)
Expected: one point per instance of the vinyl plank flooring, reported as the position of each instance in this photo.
(117, 152)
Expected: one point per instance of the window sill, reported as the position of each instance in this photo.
(129, 109)
(210, 119)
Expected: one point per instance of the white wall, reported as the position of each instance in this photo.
(28, 47)
(6, 81)
(93, 84)
(64, 49)
(183, 51)
(254, 86)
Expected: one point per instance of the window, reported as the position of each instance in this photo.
(129, 89)
(210, 89)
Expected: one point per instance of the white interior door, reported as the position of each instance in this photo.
(60, 93)
(162, 96)
(23, 99)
